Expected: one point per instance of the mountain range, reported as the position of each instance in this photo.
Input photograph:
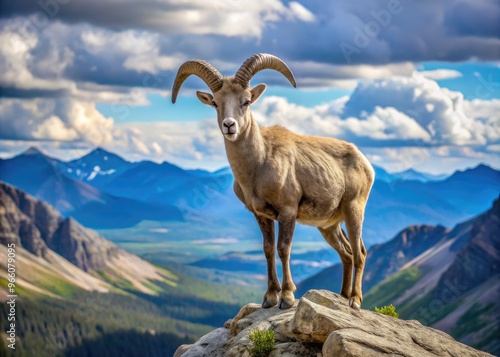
(48, 244)
(409, 175)
(79, 294)
(70, 193)
(101, 190)
(446, 278)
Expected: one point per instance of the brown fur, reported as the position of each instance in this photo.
(285, 177)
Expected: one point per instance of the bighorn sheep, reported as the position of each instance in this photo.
(285, 177)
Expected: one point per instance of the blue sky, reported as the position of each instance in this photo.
(413, 84)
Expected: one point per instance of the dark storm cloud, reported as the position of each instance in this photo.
(122, 14)
(478, 18)
(374, 31)
(369, 32)
(392, 31)
(12, 92)
(342, 33)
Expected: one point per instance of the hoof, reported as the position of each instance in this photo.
(270, 300)
(287, 303)
(287, 300)
(284, 305)
(354, 304)
(266, 304)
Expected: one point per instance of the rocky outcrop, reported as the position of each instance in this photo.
(83, 247)
(322, 324)
(38, 227)
(19, 222)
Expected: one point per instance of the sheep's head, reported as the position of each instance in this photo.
(231, 96)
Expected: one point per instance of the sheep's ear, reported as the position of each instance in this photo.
(257, 91)
(205, 98)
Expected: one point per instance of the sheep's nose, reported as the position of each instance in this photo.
(229, 126)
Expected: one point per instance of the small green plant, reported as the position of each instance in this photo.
(387, 310)
(263, 343)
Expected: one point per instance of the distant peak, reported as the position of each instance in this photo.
(482, 167)
(100, 151)
(166, 163)
(32, 151)
(411, 171)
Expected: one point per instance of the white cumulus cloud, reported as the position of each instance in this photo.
(442, 73)
(401, 121)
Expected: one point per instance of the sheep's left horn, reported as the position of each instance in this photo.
(259, 62)
(200, 68)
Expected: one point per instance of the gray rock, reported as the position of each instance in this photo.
(238, 323)
(323, 325)
(181, 349)
(210, 345)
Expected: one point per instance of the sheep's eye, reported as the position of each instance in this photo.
(214, 104)
(247, 103)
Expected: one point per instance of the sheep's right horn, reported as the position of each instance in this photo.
(200, 68)
(259, 62)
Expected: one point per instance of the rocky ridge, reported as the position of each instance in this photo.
(38, 227)
(57, 252)
(322, 324)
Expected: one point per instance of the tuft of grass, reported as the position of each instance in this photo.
(387, 310)
(263, 343)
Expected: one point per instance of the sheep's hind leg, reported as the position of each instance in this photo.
(286, 227)
(335, 236)
(273, 285)
(354, 213)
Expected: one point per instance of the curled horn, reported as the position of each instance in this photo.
(259, 62)
(200, 68)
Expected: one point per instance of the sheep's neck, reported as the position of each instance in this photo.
(247, 153)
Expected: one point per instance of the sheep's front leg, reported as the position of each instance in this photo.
(273, 285)
(286, 227)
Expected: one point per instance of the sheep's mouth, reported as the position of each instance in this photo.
(229, 131)
(230, 136)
